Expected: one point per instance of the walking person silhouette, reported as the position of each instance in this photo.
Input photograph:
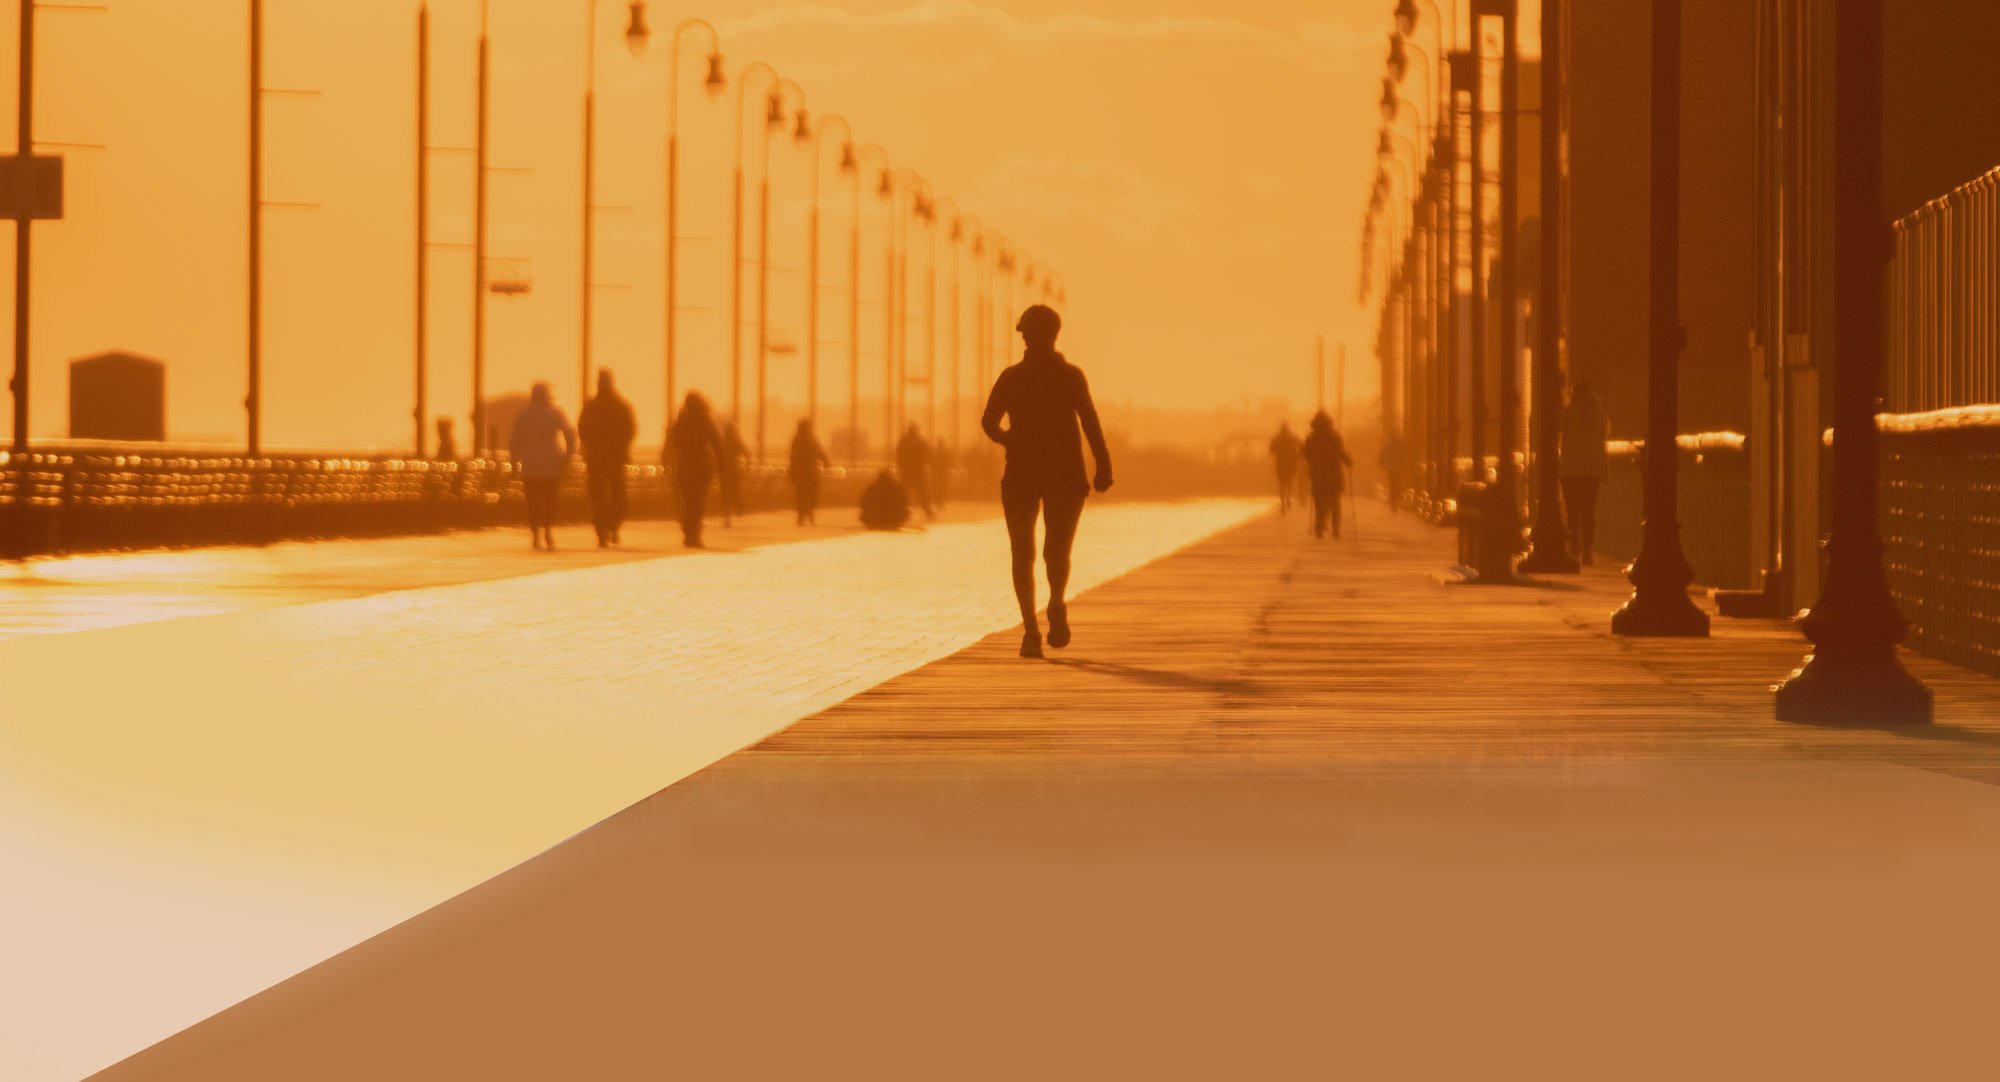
(541, 445)
(1044, 399)
(607, 426)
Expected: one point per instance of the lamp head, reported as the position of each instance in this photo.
(1390, 102)
(1385, 144)
(1399, 58)
(716, 80)
(636, 33)
(774, 110)
(802, 132)
(886, 189)
(1407, 14)
(849, 162)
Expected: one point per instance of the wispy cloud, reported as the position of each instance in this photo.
(1110, 196)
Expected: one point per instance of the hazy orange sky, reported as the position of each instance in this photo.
(1195, 170)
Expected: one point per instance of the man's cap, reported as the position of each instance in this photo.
(1039, 317)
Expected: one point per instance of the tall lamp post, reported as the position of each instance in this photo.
(920, 193)
(1660, 576)
(482, 98)
(774, 108)
(803, 134)
(1549, 541)
(849, 166)
(885, 191)
(955, 240)
(1854, 676)
(714, 83)
(635, 38)
(1499, 507)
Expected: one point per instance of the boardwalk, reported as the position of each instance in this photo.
(1286, 809)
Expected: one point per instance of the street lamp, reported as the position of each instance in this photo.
(714, 83)
(1549, 542)
(774, 122)
(635, 38)
(847, 165)
(754, 71)
(860, 155)
(919, 189)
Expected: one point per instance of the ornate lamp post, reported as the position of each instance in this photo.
(885, 191)
(1853, 676)
(1660, 576)
(714, 83)
(1549, 542)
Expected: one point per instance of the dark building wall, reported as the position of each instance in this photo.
(1610, 131)
(1942, 112)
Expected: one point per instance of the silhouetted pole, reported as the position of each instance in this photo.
(714, 82)
(957, 237)
(1853, 676)
(589, 204)
(1499, 509)
(423, 223)
(481, 115)
(1319, 371)
(1476, 221)
(847, 164)
(253, 395)
(736, 244)
(1459, 65)
(1660, 576)
(1549, 542)
(23, 265)
(930, 323)
(891, 192)
(777, 121)
(854, 305)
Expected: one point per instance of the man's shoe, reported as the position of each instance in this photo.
(1058, 626)
(1031, 644)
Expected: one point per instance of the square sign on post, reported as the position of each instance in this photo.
(31, 187)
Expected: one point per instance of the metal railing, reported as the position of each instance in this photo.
(1941, 530)
(1945, 302)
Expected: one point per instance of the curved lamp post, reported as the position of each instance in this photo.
(714, 83)
(636, 36)
(886, 191)
(754, 71)
(848, 166)
(802, 133)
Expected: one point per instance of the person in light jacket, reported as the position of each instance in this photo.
(541, 446)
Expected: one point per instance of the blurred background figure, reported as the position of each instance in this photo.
(696, 449)
(1285, 456)
(1393, 460)
(885, 506)
(913, 462)
(735, 454)
(1326, 459)
(447, 444)
(808, 458)
(1586, 464)
(607, 426)
(541, 446)
(942, 463)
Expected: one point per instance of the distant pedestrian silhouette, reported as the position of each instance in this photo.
(541, 446)
(1394, 460)
(447, 444)
(607, 426)
(808, 458)
(1044, 399)
(942, 463)
(913, 461)
(1325, 454)
(1285, 456)
(1586, 464)
(697, 452)
(730, 468)
(885, 506)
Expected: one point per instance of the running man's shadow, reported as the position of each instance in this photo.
(1159, 678)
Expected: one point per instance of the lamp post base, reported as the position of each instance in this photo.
(1858, 688)
(1550, 560)
(1660, 614)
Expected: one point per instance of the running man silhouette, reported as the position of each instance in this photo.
(1044, 398)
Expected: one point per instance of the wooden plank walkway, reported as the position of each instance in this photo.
(1286, 809)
